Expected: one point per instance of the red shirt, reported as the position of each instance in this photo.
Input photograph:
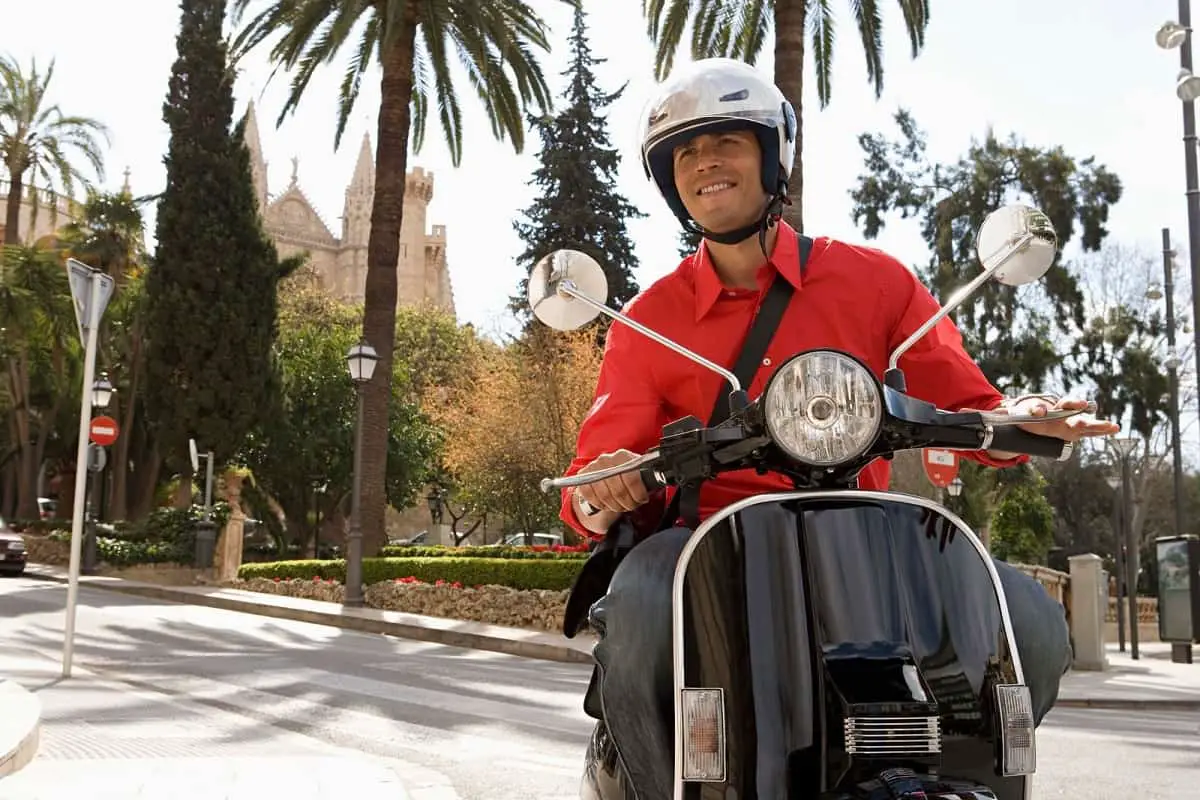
(856, 299)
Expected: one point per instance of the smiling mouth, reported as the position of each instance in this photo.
(714, 188)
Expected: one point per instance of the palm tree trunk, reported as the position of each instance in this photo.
(789, 77)
(12, 211)
(383, 255)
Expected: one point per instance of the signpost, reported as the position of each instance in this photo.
(91, 290)
(941, 466)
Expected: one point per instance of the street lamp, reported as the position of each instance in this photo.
(1172, 363)
(1114, 483)
(361, 360)
(1125, 447)
(102, 392)
(434, 500)
(1177, 34)
(955, 488)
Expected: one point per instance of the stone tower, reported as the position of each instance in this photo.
(294, 225)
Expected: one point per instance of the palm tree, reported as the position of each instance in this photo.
(413, 43)
(35, 139)
(738, 29)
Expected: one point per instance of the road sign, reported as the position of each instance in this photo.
(103, 431)
(941, 466)
(97, 457)
(80, 276)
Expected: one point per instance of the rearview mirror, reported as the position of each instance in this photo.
(566, 268)
(1016, 245)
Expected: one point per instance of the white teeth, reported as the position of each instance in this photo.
(716, 187)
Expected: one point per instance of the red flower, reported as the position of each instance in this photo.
(456, 585)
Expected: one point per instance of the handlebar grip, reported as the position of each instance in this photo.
(1012, 439)
(650, 479)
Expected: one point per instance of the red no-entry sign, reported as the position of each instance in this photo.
(103, 431)
(941, 466)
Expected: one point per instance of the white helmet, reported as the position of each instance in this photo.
(716, 94)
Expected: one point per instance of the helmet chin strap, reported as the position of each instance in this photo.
(770, 216)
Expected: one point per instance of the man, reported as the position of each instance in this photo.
(719, 143)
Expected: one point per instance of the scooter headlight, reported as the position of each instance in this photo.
(823, 408)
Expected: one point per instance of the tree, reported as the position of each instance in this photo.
(308, 436)
(577, 205)
(38, 345)
(211, 292)
(35, 139)
(1022, 528)
(409, 41)
(1006, 329)
(738, 29)
(512, 421)
(689, 242)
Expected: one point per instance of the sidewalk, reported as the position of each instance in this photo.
(105, 740)
(439, 630)
(20, 726)
(1152, 682)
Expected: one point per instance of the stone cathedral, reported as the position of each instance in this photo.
(340, 262)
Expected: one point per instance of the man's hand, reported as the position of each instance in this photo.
(1071, 429)
(617, 494)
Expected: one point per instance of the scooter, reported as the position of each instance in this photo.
(831, 643)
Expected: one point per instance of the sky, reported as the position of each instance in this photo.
(1084, 74)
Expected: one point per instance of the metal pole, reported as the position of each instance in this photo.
(354, 577)
(1119, 539)
(1131, 554)
(208, 487)
(1173, 375)
(1193, 183)
(81, 472)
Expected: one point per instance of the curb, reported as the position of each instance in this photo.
(465, 639)
(1128, 704)
(23, 713)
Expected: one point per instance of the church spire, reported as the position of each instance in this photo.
(363, 181)
(258, 166)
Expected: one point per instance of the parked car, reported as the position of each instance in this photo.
(539, 539)
(12, 550)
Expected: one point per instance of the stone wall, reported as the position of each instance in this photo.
(538, 609)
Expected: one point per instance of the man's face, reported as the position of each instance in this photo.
(719, 178)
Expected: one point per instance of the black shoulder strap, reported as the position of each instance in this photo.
(686, 501)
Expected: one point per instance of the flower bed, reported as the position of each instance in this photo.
(536, 609)
(518, 573)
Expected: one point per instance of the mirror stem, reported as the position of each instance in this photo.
(955, 301)
(567, 287)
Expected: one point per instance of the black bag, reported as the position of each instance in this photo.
(593, 579)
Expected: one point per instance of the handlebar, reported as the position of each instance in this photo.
(1016, 440)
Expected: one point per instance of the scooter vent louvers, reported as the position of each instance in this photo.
(893, 736)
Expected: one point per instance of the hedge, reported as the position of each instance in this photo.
(517, 573)
(483, 551)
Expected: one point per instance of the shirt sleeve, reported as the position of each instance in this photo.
(626, 413)
(937, 368)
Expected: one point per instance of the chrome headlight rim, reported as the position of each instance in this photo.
(877, 387)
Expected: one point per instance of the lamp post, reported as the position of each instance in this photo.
(1174, 34)
(1172, 364)
(956, 487)
(102, 392)
(360, 359)
(1114, 483)
(1125, 448)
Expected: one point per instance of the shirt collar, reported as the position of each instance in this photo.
(784, 260)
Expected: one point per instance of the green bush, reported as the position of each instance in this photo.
(517, 573)
(479, 551)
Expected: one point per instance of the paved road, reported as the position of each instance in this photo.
(450, 723)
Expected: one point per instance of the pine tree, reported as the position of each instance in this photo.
(578, 206)
(689, 242)
(211, 288)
